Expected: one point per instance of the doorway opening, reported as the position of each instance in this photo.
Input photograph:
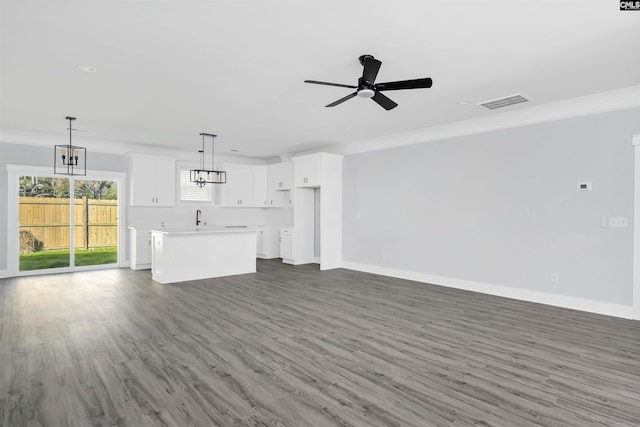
(636, 229)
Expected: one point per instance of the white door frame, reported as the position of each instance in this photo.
(13, 222)
(636, 228)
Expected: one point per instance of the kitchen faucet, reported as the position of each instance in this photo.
(198, 212)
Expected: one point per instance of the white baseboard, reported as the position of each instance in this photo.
(4, 274)
(138, 266)
(582, 304)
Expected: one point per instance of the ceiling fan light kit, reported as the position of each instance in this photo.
(367, 88)
(202, 176)
(366, 93)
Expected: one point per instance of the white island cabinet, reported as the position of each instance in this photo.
(192, 254)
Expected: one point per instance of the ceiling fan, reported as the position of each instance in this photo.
(368, 89)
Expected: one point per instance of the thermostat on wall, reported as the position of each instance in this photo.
(584, 186)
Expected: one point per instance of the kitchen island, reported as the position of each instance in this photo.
(178, 255)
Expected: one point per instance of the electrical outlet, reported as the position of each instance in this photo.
(604, 222)
(555, 278)
(584, 186)
(618, 221)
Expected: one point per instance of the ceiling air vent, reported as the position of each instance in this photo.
(504, 101)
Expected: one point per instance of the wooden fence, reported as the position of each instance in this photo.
(96, 221)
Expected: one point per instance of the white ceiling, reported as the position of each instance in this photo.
(170, 69)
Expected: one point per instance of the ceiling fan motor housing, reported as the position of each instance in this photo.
(363, 57)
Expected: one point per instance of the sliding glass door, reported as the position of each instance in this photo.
(95, 222)
(44, 228)
(65, 223)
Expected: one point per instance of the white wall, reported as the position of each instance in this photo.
(501, 208)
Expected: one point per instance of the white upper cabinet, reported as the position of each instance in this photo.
(253, 186)
(153, 181)
(280, 180)
(280, 176)
(260, 186)
(307, 170)
(238, 191)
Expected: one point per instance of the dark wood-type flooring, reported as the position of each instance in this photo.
(295, 346)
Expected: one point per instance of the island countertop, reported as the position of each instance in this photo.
(203, 230)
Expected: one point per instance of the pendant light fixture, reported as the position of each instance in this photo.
(70, 159)
(202, 176)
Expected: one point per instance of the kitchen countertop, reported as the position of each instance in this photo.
(203, 230)
(193, 227)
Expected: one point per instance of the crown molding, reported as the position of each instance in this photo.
(603, 102)
(38, 139)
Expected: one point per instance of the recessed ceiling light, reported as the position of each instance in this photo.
(464, 101)
(86, 68)
(233, 150)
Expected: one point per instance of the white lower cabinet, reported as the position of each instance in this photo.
(286, 245)
(260, 243)
(267, 242)
(140, 241)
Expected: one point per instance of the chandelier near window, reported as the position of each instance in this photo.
(202, 176)
(70, 159)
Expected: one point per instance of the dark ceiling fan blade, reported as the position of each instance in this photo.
(406, 84)
(384, 102)
(330, 84)
(371, 68)
(341, 100)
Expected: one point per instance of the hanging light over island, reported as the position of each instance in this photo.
(202, 176)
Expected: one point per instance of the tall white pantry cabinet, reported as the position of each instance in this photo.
(318, 226)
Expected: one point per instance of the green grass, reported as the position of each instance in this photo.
(57, 259)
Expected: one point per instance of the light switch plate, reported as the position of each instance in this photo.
(604, 222)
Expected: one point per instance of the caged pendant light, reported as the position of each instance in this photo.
(202, 176)
(70, 159)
